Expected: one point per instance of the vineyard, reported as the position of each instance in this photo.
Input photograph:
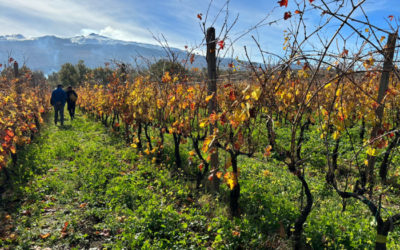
(264, 157)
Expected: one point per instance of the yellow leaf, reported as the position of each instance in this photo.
(230, 179)
(372, 151)
(327, 86)
(192, 153)
(336, 135)
(209, 97)
(256, 93)
(133, 145)
(206, 143)
(267, 173)
(367, 30)
(329, 68)
(382, 38)
(366, 162)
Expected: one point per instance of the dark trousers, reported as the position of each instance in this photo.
(59, 109)
(71, 109)
(72, 113)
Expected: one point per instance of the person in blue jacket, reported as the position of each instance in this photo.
(59, 98)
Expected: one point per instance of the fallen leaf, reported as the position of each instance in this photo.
(44, 236)
(82, 205)
(105, 233)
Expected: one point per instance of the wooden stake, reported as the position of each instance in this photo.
(212, 104)
(383, 86)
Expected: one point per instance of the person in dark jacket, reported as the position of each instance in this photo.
(71, 95)
(59, 98)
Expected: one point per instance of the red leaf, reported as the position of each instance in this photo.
(287, 15)
(186, 46)
(65, 227)
(11, 60)
(283, 3)
(230, 65)
(227, 85)
(191, 58)
(223, 119)
(1, 65)
(232, 95)
(221, 44)
(345, 52)
(201, 166)
(311, 1)
(391, 17)
(199, 16)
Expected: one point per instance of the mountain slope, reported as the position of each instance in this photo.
(48, 53)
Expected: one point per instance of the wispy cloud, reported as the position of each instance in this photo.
(176, 19)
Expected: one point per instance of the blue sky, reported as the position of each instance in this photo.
(176, 19)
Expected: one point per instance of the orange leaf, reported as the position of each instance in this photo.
(10, 133)
(219, 174)
(65, 227)
(298, 12)
(199, 16)
(83, 205)
(201, 166)
(44, 236)
(13, 149)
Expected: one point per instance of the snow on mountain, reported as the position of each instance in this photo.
(16, 37)
(92, 38)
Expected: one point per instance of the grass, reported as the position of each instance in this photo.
(82, 187)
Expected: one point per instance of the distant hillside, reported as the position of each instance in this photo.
(48, 53)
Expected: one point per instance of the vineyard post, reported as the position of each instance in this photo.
(123, 75)
(383, 86)
(15, 69)
(212, 104)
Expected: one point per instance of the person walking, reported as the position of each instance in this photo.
(71, 101)
(59, 98)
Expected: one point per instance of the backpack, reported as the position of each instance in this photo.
(72, 97)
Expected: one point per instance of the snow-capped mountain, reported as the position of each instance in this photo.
(98, 39)
(17, 37)
(88, 39)
(48, 53)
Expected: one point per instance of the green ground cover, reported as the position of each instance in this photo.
(82, 187)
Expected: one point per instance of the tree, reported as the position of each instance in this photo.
(82, 70)
(68, 75)
(158, 69)
(53, 77)
(100, 75)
